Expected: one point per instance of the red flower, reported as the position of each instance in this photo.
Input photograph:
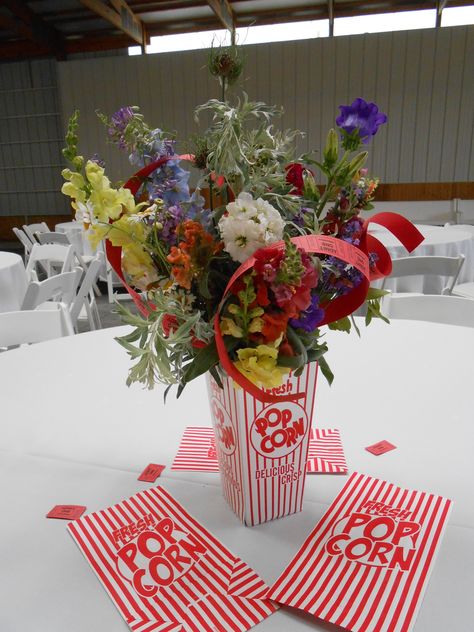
(262, 294)
(274, 325)
(294, 176)
(332, 224)
(169, 324)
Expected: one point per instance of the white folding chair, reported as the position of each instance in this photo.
(27, 327)
(51, 256)
(435, 308)
(25, 241)
(58, 288)
(85, 299)
(31, 229)
(446, 267)
(64, 240)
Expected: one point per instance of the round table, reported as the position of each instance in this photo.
(13, 282)
(439, 241)
(77, 236)
(80, 436)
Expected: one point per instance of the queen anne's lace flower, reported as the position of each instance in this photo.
(249, 225)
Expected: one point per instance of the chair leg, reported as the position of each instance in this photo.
(110, 286)
(90, 316)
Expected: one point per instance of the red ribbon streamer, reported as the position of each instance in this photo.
(342, 306)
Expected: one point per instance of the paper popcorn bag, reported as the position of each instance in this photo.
(165, 572)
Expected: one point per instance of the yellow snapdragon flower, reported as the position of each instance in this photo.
(259, 365)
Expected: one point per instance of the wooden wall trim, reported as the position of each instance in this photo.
(424, 191)
(10, 221)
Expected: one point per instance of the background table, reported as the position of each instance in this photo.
(439, 241)
(13, 282)
(73, 433)
(77, 236)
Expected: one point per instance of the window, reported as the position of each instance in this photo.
(457, 15)
(382, 22)
(251, 35)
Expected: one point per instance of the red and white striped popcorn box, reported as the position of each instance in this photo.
(165, 572)
(366, 564)
(325, 452)
(262, 449)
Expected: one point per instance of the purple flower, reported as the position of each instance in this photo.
(361, 118)
(299, 216)
(352, 230)
(310, 318)
(340, 278)
(95, 158)
(120, 119)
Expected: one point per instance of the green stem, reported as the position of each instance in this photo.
(331, 178)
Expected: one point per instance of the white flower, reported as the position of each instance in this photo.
(249, 225)
(84, 212)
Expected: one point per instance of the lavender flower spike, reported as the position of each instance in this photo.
(361, 116)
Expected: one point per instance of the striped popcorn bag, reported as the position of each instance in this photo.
(262, 448)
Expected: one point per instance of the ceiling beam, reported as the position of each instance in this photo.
(224, 12)
(31, 27)
(121, 16)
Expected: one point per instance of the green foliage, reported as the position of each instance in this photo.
(72, 141)
(162, 358)
(251, 158)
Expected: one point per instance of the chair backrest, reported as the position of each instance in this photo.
(24, 239)
(26, 327)
(435, 308)
(60, 288)
(53, 238)
(448, 267)
(86, 288)
(50, 253)
(31, 229)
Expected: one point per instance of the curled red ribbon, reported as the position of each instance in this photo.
(342, 306)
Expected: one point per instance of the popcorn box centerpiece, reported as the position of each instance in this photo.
(262, 448)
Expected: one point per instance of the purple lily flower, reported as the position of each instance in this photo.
(361, 116)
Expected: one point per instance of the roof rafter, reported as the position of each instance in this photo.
(30, 26)
(121, 16)
(224, 12)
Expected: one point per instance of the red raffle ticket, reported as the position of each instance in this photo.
(197, 451)
(325, 452)
(165, 572)
(151, 473)
(366, 564)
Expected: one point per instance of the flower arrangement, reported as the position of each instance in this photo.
(190, 258)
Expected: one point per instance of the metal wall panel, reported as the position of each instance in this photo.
(30, 140)
(422, 79)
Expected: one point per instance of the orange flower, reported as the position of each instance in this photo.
(192, 255)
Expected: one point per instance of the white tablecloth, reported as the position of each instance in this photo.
(77, 236)
(73, 433)
(440, 241)
(13, 282)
